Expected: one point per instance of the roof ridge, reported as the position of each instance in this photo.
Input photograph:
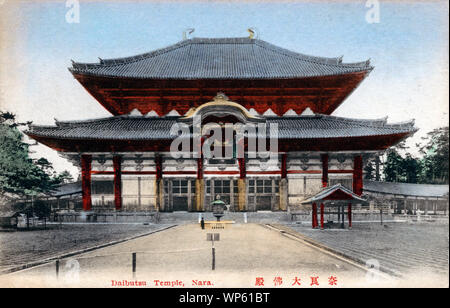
(222, 40)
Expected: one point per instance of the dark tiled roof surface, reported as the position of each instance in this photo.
(324, 126)
(154, 128)
(112, 128)
(407, 189)
(67, 189)
(220, 58)
(324, 193)
(8, 214)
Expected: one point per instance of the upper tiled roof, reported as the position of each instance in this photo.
(220, 58)
(406, 189)
(154, 128)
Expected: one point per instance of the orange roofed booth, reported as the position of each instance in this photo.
(336, 197)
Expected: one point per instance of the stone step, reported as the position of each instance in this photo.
(238, 217)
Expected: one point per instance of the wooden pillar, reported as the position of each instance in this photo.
(284, 194)
(357, 174)
(322, 210)
(117, 163)
(314, 215)
(242, 196)
(349, 215)
(324, 158)
(86, 161)
(159, 184)
(200, 187)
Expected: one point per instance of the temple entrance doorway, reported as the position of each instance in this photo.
(263, 194)
(179, 194)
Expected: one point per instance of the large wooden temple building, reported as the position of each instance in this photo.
(125, 159)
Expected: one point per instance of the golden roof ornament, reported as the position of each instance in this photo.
(252, 32)
(221, 96)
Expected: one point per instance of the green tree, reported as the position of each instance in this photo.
(372, 168)
(20, 175)
(41, 209)
(393, 167)
(402, 169)
(431, 168)
(369, 171)
(65, 177)
(411, 169)
(435, 167)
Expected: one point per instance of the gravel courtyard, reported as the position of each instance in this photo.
(404, 249)
(181, 254)
(21, 247)
(416, 252)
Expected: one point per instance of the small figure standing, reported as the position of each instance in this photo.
(202, 223)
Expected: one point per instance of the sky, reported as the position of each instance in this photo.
(408, 48)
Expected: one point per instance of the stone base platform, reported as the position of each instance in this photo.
(106, 217)
(211, 224)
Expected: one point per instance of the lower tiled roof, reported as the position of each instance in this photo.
(406, 189)
(158, 128)
(324, 126)
(67, 189)
(111, 128)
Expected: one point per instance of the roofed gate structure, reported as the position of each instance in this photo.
(335, 197)
(125, 159)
